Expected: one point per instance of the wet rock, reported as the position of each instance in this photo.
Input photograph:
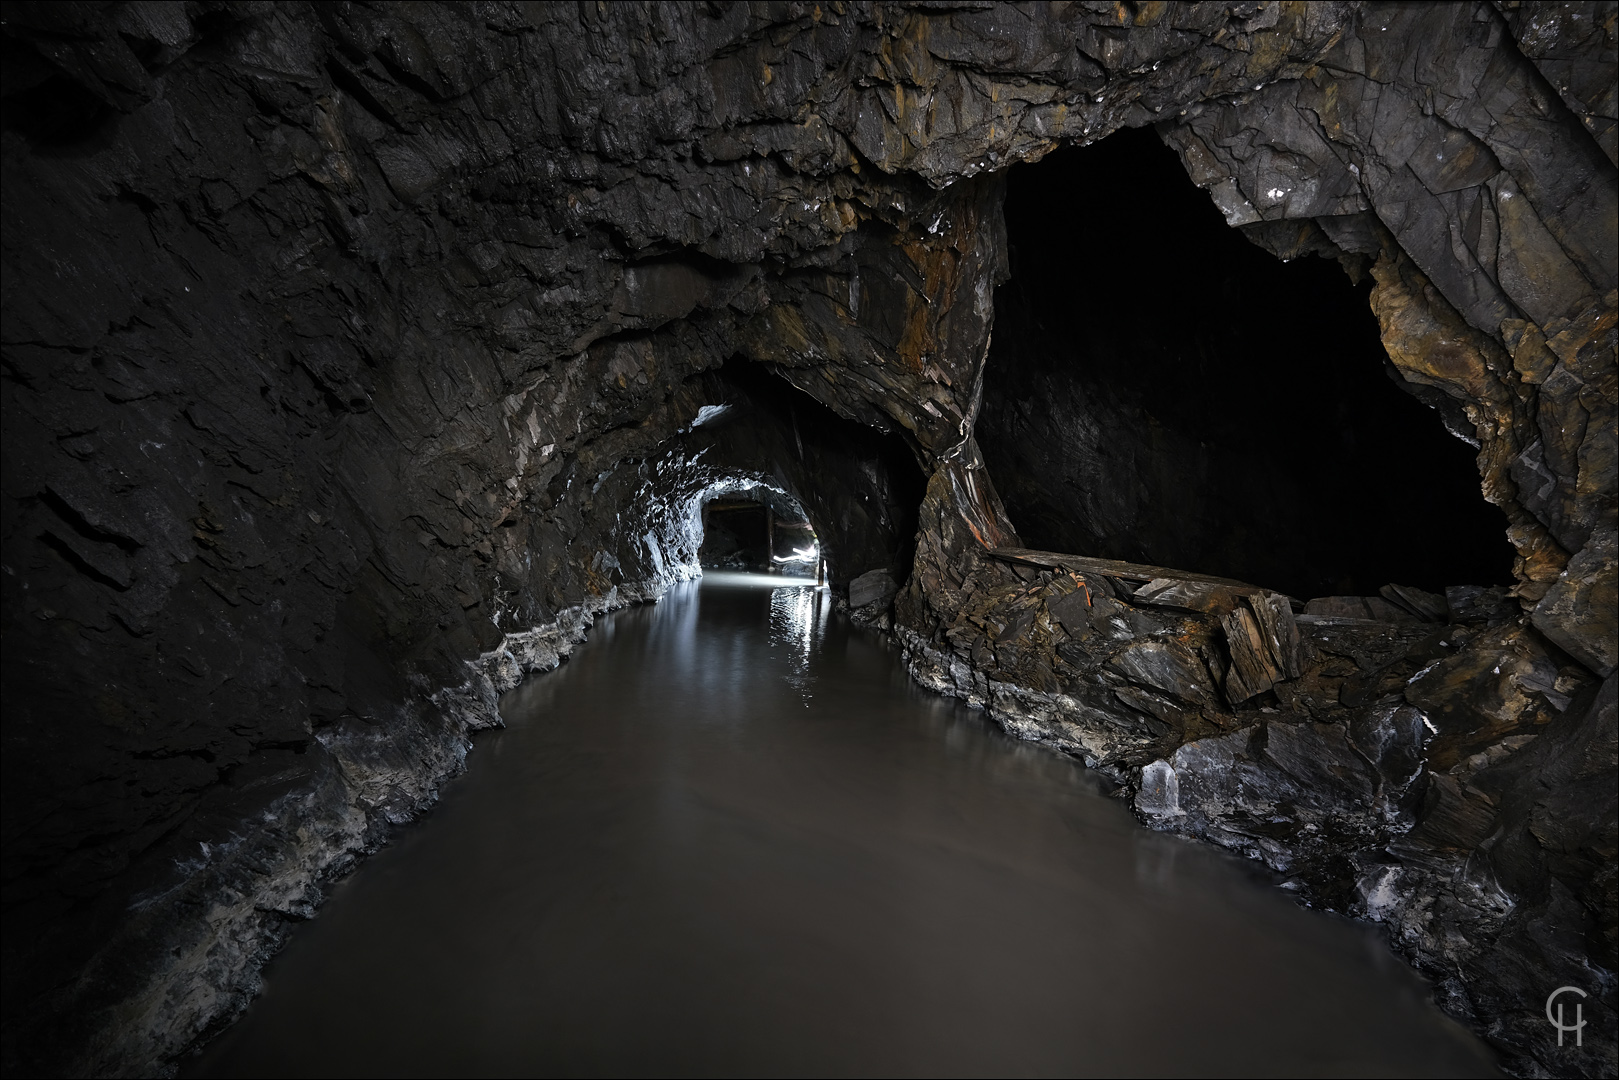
(1160, 794)
(872, 587)
(1286, 792)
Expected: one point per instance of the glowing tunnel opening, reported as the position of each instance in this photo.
(760, 529)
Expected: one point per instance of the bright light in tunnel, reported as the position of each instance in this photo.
(800, 555)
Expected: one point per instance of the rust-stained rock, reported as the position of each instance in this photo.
(1205, 596)
(1253, 669)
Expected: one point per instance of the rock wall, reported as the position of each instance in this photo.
(345, 345)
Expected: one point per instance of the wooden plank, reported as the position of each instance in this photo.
(1082, 565)
(1204, 596)
(1363, 608)
(1427, 606)
(1335, 620)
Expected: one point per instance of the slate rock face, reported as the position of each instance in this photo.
(354, 359)
(1383, 766)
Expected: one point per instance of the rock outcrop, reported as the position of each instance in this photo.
(348, 345)
(1437, 770)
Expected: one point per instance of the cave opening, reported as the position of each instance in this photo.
(1162, 390)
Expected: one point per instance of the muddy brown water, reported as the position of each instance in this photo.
(731, 837)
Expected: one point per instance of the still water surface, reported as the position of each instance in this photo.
(731, 837)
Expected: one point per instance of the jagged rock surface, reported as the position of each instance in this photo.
(346, 344)
(1392, 770)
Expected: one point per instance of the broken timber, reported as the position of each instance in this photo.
(1259, 627)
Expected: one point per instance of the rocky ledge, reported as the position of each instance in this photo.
(1430, 763)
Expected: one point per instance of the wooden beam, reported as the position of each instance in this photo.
(1081, 564)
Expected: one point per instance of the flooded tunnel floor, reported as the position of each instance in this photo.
(730, 836)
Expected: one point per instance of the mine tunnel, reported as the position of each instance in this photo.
(791, 486)
(736, 535)
(850, 538)
(1163, 390)
(745, 534)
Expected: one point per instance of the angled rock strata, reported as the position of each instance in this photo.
(357, 355)
(1420, 761)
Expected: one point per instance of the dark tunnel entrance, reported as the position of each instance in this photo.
(735, 536)
(1161, 390)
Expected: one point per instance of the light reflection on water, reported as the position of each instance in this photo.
(735, 579)
(730, 836)
(799, 609)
